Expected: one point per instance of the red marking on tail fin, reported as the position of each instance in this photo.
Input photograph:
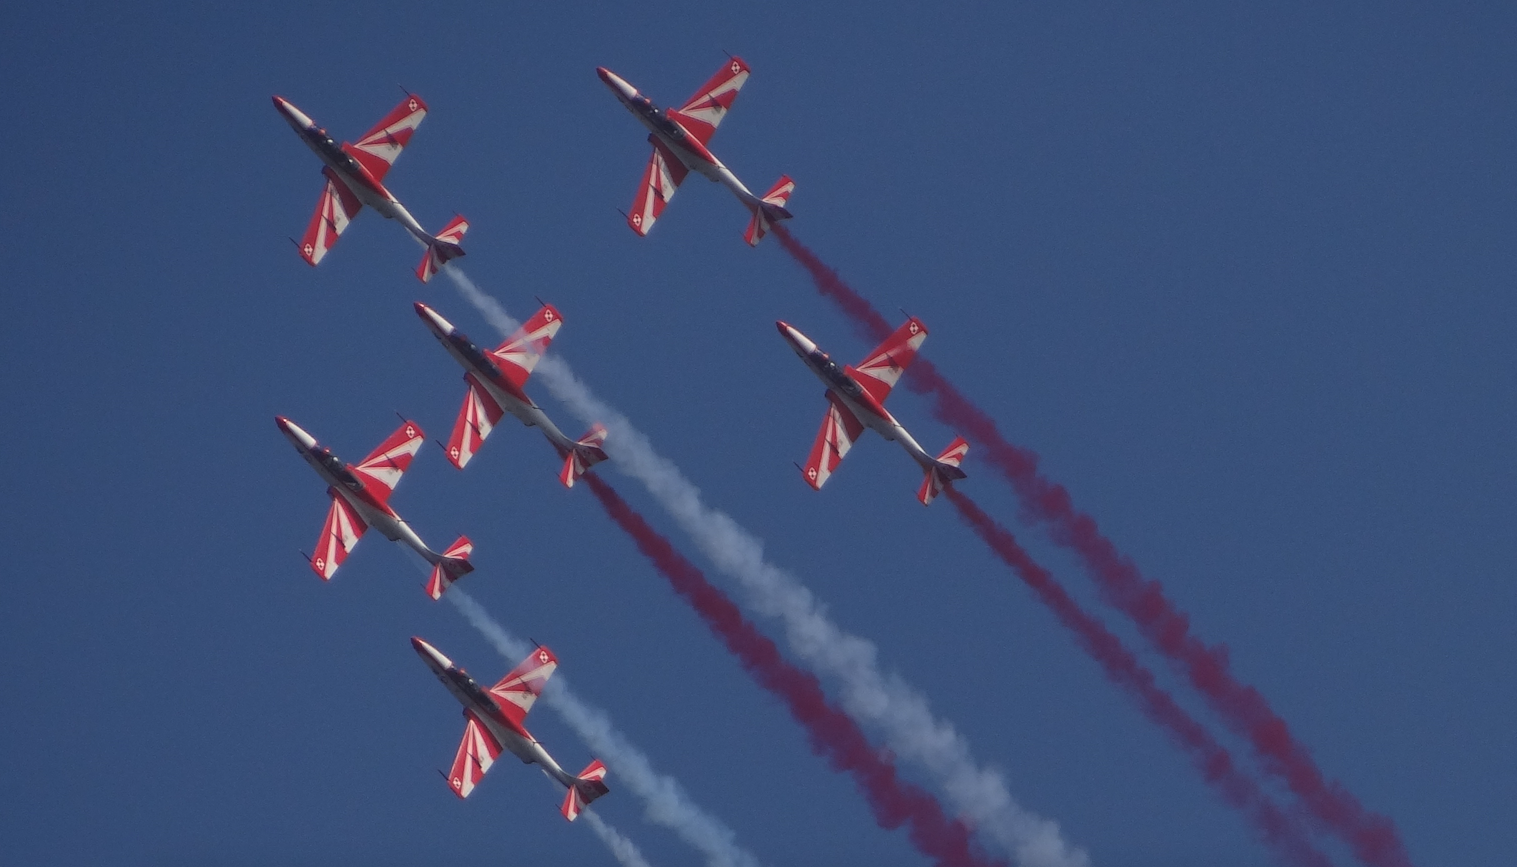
(590, 786)
(445, 247)
(770, 210)
(453, 566)
(944, 472)
(587, 452)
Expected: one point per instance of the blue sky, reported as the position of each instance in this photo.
(1242, 278)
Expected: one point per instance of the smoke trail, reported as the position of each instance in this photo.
(665, 802)
(834, 735)
(912, 731)
(1123, 669)
(1372, 837)
(621, 848)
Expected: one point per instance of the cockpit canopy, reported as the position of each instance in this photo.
(478, 357)
(337, 468)
(835, 374)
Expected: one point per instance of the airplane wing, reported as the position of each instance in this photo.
(518, 690)
(663, 176)
(703, 112)
(341, 532)
(336, 208)
(881, 369)
(476, 753)
(380, 146)
(517, 357)
(479, 415)
(839, 429)
(382, 469)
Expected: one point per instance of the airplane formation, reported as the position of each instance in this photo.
(496, 379)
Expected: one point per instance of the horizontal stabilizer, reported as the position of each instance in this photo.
(589, 786)
(944, 470)
(769, 210)
(443, 248)
(453, 565)
(587, 453)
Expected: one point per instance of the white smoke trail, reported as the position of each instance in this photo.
(869, 695)
(621, 848)
(665, 802)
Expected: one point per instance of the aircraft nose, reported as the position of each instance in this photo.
(295, 116)
(431, 655)
(433, 319)
(293, 432)
(798, 341)
(616, 83)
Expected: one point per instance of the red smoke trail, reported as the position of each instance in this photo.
(834, 735)
(1123, 669)
(1373, 838)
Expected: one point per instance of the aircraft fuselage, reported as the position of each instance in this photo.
(842, 384)
(695, 156)
(476, 361)
(478, 702)
(343, 482)
(349, 171)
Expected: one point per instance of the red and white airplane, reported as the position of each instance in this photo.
(857, 397)
(355, 177)
(679, 137)
(494, 725)
(361, 499)
(496, 379)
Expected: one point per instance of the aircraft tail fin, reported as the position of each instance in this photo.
(451, 566)
(768, 210)
(443, 248)
(943, 470)
(588, 786)
(585, 454)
